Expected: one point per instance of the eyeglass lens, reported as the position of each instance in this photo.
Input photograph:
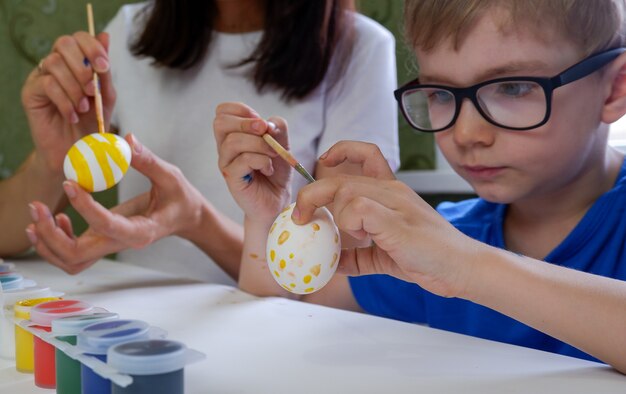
(517, 104)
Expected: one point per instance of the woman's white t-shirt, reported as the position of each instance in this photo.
(171, 112)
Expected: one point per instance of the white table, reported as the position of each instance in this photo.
(274, 345)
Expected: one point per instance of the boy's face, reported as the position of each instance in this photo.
(504, 165)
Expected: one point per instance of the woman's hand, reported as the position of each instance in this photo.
(173, 206)
(411, 240)
(256, 176)
(58, 95)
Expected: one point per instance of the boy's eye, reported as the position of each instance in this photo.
(515, 89)
(440, 97)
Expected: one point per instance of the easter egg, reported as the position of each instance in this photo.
(303, 258)
(97, 161)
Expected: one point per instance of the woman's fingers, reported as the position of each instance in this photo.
(65, 224)
(102, 221)
(51, 239)
(161, 173)
(93, 50)
(56, 66)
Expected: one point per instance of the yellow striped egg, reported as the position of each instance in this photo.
(303, 258)
(97, 161)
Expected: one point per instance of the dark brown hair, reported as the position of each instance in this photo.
(294, 55)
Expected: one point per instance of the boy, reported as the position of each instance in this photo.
(548, 271)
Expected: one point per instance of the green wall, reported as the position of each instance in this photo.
(29, 28)
(417, 150)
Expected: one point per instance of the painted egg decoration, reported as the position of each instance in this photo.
(97, 161)
(303, 258)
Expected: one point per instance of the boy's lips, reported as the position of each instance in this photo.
(482, 172)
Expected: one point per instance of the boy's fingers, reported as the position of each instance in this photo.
(367, 155)
(277, 128)
(367, 261)
(226, 124)
(315, 195)
(237, 109)
(236, 144)
(246, 163)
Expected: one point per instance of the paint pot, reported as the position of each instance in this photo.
(7, 326)
(96, 339)
(24, 341)
(11, 280)
(42, 316)
(66, 329)
(156, 366)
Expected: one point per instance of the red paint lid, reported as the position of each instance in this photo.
(44, 313)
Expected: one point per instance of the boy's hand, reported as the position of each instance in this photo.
(58, 95)
(411, 240)
(173, 206)
(256, 176)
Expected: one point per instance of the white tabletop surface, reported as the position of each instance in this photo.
(274, 345)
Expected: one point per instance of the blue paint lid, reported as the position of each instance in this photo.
(72, 325)
(148, 357)
(11, 280)
(99, 337)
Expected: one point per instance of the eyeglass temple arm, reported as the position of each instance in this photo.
(592, 64)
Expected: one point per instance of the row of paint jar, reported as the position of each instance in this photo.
(82, 332)
(13, 288)
(86, 338)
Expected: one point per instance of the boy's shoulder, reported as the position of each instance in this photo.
(469, 212)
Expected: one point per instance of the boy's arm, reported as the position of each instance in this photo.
(415, 243)
(585, 310)
(32, 181)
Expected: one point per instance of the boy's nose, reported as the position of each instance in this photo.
(471, 128)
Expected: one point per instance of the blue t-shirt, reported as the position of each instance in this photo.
(596, 245)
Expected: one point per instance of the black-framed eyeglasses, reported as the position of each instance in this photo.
(515, 103)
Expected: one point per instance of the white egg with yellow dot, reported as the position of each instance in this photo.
(97, 161)
(303, 258)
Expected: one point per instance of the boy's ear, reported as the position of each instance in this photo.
(615, 104)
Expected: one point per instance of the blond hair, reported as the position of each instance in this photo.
(592, 25)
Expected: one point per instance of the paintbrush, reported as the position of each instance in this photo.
(284, 153)
(96, 81)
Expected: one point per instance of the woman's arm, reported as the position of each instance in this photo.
(58, 101)
(172, 207)
(32, 181)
